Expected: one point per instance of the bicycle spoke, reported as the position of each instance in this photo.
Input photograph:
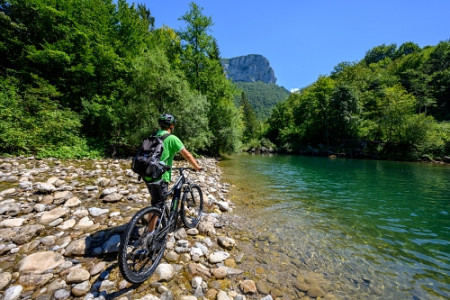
(192, 205)
(139, 250)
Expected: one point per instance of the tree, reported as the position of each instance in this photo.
(438, 68)
(196, 43)
(157, 88)
(317, 124)
(251, 125)
(282, 129)
(204, 72)
(406, 49)
(344, 112)
(381, 52)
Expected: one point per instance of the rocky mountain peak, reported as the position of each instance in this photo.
(249, 68)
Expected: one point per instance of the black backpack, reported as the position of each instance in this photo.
(147, 162)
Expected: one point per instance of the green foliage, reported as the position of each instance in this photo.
(390, 99)
(262, 96)
(165, 90)
(204, 72)
(31, 122)
(251, 126)
(380, 53)
(81, 78)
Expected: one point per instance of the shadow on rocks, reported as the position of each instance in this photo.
(104, 243)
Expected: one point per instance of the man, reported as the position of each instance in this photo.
(172, 146)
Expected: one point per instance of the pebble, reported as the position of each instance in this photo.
(63, 220)
(13, 292)
(218, 256)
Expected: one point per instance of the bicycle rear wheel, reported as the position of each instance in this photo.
(140, 251)
(192, 206)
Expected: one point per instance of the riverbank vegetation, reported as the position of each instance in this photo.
(91, 79)
(393, 104)
(262, 96)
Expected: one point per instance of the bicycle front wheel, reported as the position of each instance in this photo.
(140, 250)
(192, 206)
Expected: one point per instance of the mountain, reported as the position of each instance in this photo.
(249, 68)
(254, 75)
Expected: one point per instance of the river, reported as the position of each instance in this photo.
(371, 229)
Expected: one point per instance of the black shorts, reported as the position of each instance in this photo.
(157, 190)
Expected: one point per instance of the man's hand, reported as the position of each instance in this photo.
(190, 158)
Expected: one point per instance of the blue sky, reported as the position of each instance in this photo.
(305, 39)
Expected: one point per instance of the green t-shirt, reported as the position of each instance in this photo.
(172, 145)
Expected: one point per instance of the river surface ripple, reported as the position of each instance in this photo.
(373, 229)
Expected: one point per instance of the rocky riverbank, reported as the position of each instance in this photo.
(60, 226)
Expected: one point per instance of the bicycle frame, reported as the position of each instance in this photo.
(171, 216)
(143, 242)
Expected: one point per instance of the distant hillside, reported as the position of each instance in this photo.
(254, 75)
(249, 68)
(263, 96)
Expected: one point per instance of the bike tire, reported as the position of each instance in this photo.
(139, 254)
(192, 206)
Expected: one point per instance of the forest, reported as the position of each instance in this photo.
(262, 96)
(393, 104)
(89, 79)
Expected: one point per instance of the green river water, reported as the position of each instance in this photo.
(372, 229)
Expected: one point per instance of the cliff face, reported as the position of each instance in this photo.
(249, 68)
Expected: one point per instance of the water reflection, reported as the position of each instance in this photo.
(378, 229)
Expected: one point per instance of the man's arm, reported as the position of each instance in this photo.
(190, 158)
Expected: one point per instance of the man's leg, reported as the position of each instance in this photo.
(156, 191)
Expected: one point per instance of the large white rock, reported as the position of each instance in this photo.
(40, 262)
(72, 202)
(95, 211)
(188, 297)
(44, 187)
(151, 297)
(202, 247)
(114, 197)
(196, 251)
(16, 222)
(7, 192)
(223, 205)
(64, 195)
(13, 292)
(77, 275)
(67, 224)
(78, 247)
(218, 256)
(85, 223)
(226, 242)
(52, 215)
(164, 272)
(81, 289)
(26, 185)
(5, 279)
(222, 295)
(108, 191)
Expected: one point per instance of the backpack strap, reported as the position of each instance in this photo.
(164, 136)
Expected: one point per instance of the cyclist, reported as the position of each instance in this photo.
(172, 146)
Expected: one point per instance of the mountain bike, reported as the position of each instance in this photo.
(141, 249)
